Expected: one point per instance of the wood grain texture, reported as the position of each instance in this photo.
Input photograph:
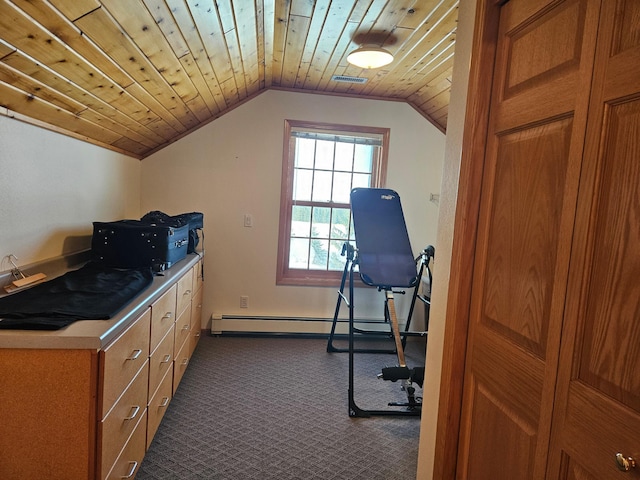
(531, 158)
(32, 379)
(159, 69)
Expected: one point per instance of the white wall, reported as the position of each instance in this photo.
(233, 166)
(52, 187)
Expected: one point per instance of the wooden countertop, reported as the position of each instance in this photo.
(95, 334)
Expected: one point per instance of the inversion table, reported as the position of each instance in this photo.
(385, 260)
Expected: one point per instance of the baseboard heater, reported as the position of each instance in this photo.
(278, 325)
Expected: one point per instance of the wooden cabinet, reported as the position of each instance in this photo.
(48, 413)
(124, 380)
(90, 410)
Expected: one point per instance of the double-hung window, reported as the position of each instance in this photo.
(322, 163)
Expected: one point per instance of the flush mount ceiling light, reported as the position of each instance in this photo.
(370, 57)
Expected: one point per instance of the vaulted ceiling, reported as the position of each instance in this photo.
(135, 75)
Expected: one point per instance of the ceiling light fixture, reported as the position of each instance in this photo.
(370, 56)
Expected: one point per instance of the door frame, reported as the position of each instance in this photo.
(458, 300)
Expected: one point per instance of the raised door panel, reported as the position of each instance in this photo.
(544, 56)
(572, 471)
(522, 243)
(529, 187)
(517, 436)
(597, 413)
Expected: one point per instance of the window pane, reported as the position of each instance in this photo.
(319, 254)
(352, 231)
(300, 221)
(341, 187)
(344, 156)
(324, 155)
(361, 180)
(325, 166)
(299, 253)
(304, 152)
(363, 160)
(302, 184)
(340, 224)
(336, 260)
(320, 224)
(322, 186)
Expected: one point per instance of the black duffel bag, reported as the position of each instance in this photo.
(194, 220)
(132, 243)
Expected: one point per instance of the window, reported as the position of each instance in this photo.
(322, 163)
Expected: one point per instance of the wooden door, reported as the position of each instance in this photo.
(597, 413)
(532, 166)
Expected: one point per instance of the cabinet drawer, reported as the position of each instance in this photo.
(128, 463)
(196, 321)
(198, 275)
(194, 338)
(180, 364)
(122, 360)
(196, 310)
(185, 289)
(118, 425)
(158, 405)
(183, 327)
(163, 315)
(161, 361)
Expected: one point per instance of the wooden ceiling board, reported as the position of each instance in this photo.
(118, 45)
(210, 88)
(136, 75)
(74, 9)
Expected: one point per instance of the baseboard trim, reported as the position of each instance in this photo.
(276, 325)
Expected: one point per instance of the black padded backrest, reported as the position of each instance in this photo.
(385, 257)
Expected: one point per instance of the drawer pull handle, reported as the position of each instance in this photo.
(184, 362)
(165, 402)
(186, 327)
(166, 358)
(134, 465)
(168, 315)
(197, 335)
(134, 413)
(135, 354)
(187, 292)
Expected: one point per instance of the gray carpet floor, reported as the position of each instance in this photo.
(276, 408)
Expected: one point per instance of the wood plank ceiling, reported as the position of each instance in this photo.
(135, 75)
